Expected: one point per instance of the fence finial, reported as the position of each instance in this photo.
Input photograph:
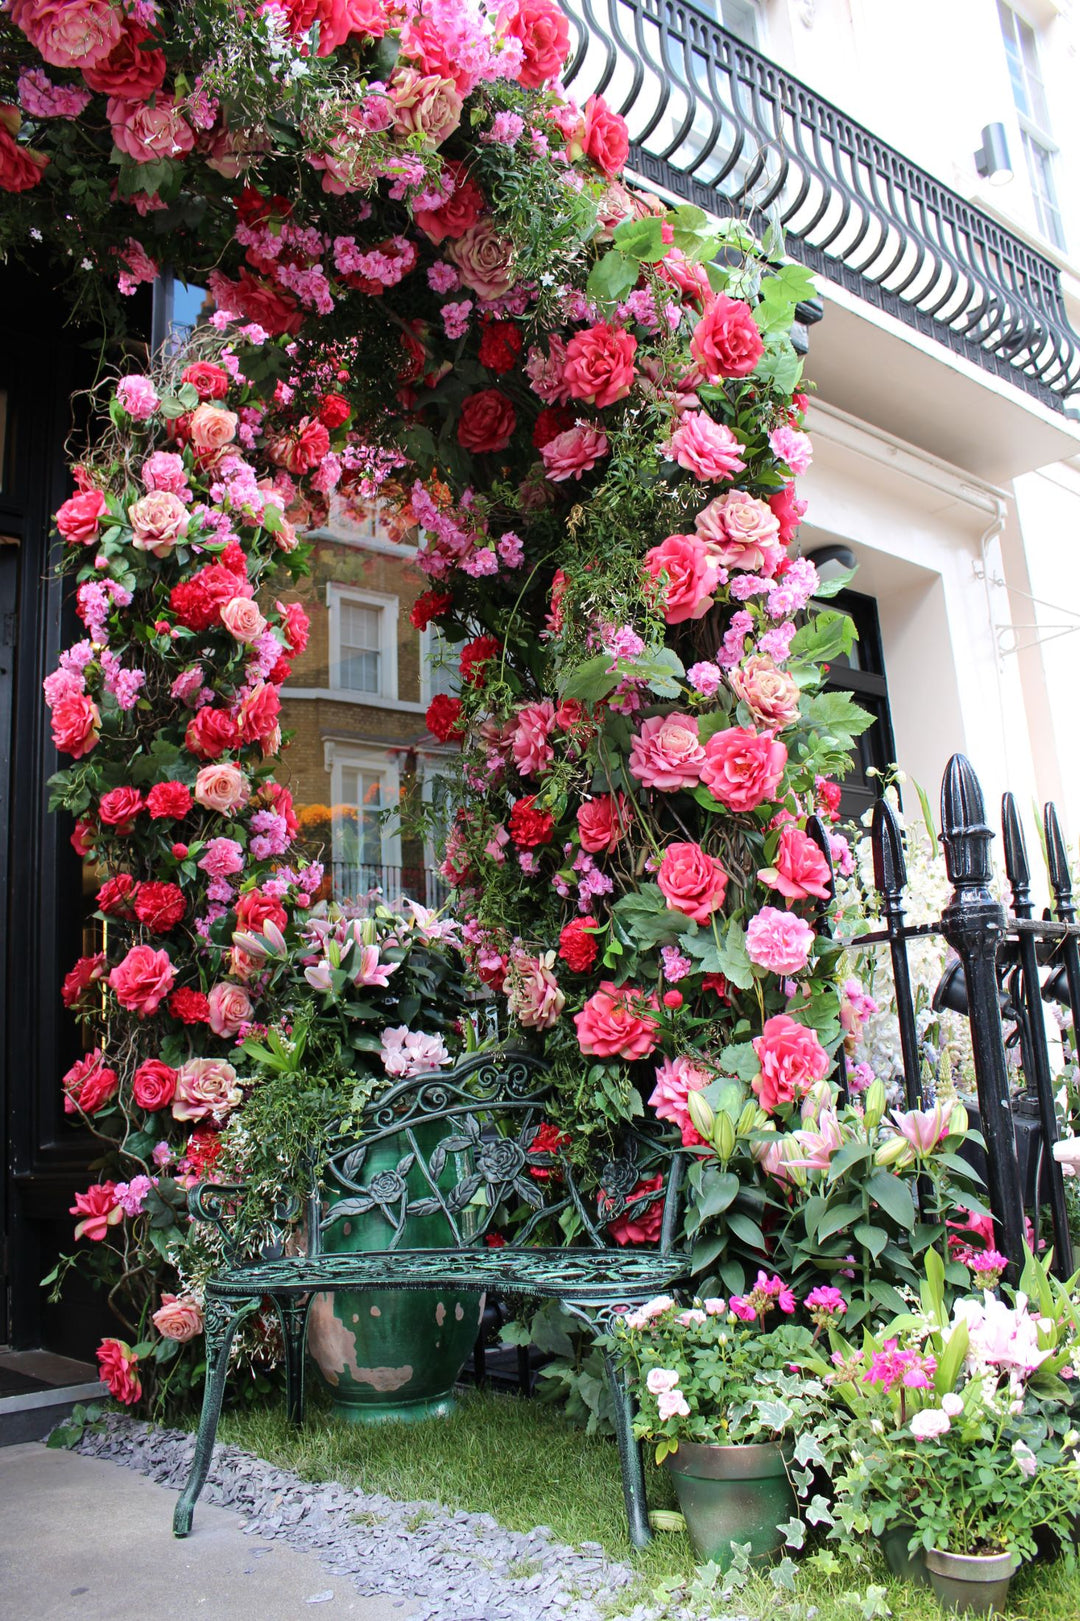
(890, 866)
(964, 831)
(1016, 856)
(1057, 857)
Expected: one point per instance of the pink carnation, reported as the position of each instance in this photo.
(138, 397)
(705, 448)
(789, 445)
(779, 941)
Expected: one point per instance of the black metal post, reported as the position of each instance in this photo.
(890, 881)
(1057, 861)
(817, 830)
(1016, 865)
(974, 925)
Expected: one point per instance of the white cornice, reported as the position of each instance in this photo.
(885, 449)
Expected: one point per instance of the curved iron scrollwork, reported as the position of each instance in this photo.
(715, 123)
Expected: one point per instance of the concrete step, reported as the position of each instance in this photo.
(44, 1388)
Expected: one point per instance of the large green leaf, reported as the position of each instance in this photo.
(894, 1197)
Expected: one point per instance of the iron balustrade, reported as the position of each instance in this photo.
(1002, 954)
(715, 123)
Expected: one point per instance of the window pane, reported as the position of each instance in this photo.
(441, 659)
(1040, 166)
(739, 17)
(359, 667)
(1032, 74)
(1013, 56)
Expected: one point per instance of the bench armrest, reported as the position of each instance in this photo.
(216, 1203)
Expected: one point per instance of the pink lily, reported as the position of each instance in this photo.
(819, 1146)
(923, 1128)
(370, 971)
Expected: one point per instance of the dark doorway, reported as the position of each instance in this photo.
(862, 673)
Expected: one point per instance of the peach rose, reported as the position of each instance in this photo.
(242, 619)
(425, 104)
(771, 695)
(211, 426)
(484, 259)
(741, 532)
(205, 1086)
(667, 753)
(146, 133)
(221, 787)
(230, 1007)
(158, 521)
(179, 1317)
(69, 33)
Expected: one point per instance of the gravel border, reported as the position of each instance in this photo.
(445, 1564)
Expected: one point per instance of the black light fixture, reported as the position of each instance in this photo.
(832, 562)
(951, 992)
(992, 159)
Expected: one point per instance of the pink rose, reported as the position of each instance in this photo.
(791, 1058)
(605, 140)
(533, 752)
(616, 1022)
(179, 1317)
(779, 941)
(691, 573)
(544, 34)
(743, 768)
(533, 994)
(705, 448)
(741, 532)
(771, 695)
(21, 168)
(599, 365)
(119, 1368)
(143, 980)
(602, 821)
(667, 753)
(146, 133)
(221, 787)
(230, 1007)
(79, 519)
(76, 725)
(574, 452)
(691, 881)
(484, 259)
(726, 341)
(799, 869)
(242, 619)
(212, 427)
(426, 105)
(69, 33)
(205, 1086)
(158, 521)
(676, 1078)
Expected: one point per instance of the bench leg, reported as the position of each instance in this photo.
(633, 1472)
(293, 1314)
(222, 1318)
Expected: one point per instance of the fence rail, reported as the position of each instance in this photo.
(714, 122)
(366, 884)
(1010, 964)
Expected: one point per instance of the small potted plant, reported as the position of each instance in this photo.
(723, 1398)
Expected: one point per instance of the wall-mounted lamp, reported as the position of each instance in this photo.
(992, 158)
(832, 562)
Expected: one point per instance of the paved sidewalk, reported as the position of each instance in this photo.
(84, 1540)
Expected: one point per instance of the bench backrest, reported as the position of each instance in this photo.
(474, 1148)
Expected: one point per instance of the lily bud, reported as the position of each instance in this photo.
(747, 1120)
(958, 1120)
(701, 1116)
(368, 932)
(874, 1106)
(897, 1151)
(723, 1138)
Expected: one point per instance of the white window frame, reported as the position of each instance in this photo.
(388, 609)
(1049, 215)
(372, 539)
(428, 764)
(428, 637)
(340, 757)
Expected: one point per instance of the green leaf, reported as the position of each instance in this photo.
(894, 1197)
(719, 1190)
(836, 715)
(794, 1533)
(886, 1295)
(611, 278)
(952, 1355)
(826, 635)
(871, 1238)
(844, 1158)
(747, 1230)
(839, 1218)
(592, 680)
(735, 965)
(642, 239)
(740, 1059)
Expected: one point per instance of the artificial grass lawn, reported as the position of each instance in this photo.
(526, 1465)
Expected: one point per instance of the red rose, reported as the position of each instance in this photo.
(528, 826)
(544, 33)
(76, 725)
(82, 840)
(119, 808)
(302, 449)
(255, 300)
(159, 906)
(578, 945)
(602, 822)
(153, 1084)
(428, 606)
(726, 341)
(190, 1007)
(143, 980)
(475, 655)
(500, 346)
(210, 382)
(79, 519)
(644, 1223)
(253, 909)
(443, 718)
(203, 1148)
(119, 1367)
(691, 881)
(89, 1084)
(599, 364)
(788, 510)
(20, 166)
(552, 420)
(129, 72)
(459, 213)
(547, 1139)
(486, 423)
(210, 733)
(114, 896)
(169, 799)
(334, 411)
(827, 795)
(87, 972)
(259, 713)
(606, 140)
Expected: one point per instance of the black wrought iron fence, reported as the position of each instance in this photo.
(1008, 965)
(368, 883)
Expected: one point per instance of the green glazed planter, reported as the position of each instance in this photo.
(732, 1495)
(972, 1584)
(910, 1567)
(394, 1355)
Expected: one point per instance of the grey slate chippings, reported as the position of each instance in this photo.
(451, 1565)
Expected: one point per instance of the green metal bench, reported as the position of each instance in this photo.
(478, 1173)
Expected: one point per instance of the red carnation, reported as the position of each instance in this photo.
(717, 983)
(197, 602)
(233, 558)
(302, 449)
(578, 946)
(528, 826)
(119, 808)
(203, 1148)
(210, 382)
(211, 733)
(334, 409)
(548, 1139)
(428, 606)
(87, 972)
(474, 656)
(500, 346)
(114, 896)
(443, 718)
(253, 909)
(190, 1007)
(553, 420)
(169, 799)
(159, 906)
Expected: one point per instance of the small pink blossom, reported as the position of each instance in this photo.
(789, 445)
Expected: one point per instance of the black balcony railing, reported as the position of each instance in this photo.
(715, 123)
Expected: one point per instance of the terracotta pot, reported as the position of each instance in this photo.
(732, 1495)
(971, 1583)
